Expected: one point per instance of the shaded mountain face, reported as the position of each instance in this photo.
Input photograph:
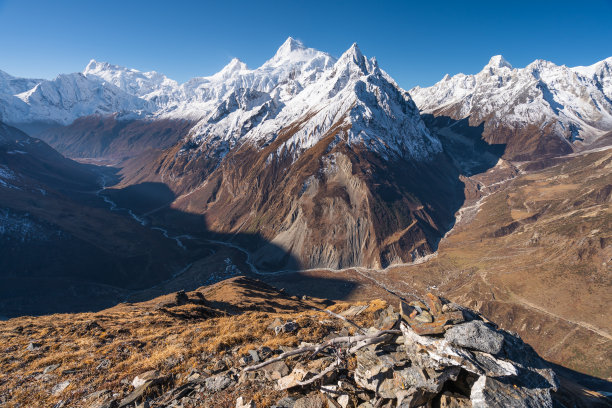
(537, 111)
(60, 247)
(337, 168)
(114, 139)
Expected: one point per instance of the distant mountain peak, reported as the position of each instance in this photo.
(233, 67)
(290, 44)
(498, 61)
(353, 56)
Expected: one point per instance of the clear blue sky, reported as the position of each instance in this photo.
(416, 42)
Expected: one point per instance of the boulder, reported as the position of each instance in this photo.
(286, 402)
(490, 392)
(219, 382)
(144, 377)
(310, 401)
(276, 370)
(298, 374)
(475, 335)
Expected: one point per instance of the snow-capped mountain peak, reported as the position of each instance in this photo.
(292, 54)
(574, 102)
(353, 58)
(132, 81)
(289, 46)
(498, 61)
(319, 95)
(232, 68)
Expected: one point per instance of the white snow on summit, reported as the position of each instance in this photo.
(575, 100)
(317, 95)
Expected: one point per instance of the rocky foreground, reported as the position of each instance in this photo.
(241, 343)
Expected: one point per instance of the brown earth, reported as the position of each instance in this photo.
(65, 359)
(534, 255)
(334, 206)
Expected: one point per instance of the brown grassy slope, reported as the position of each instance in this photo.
(536, 259)
(106, 350)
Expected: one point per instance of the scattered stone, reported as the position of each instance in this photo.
(50, 368)
(354, 310)
(104, 364)
(276, 370)
(245, 360)
(475, 335)
(254, 356)
(344, 400)
(275, 323)
(241, 404)
(149, 388)
(57, 389)
(181, 298)
(386, 319)
(286, 402)
(144, 377)
(219, 382)
(288, 327)
(310, 401)
(298, 374)
(33, 346)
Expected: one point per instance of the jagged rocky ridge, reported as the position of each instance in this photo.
(431, 353)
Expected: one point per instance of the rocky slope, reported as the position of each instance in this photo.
(531, 250)
(542, 109)
(243, 343)
(335, 167)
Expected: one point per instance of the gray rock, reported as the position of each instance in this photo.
(489, 392)
(149, 388)
(424, 317)
(254, 356)
(475, 335)
(219, 382)
(140, 379)
(104, 364)
(57, 389)
(374, 372)
(33, 346)
(50, 368)
(276, 370)
(288, 327)
(286, 402)
(310, 401)
(425, 379)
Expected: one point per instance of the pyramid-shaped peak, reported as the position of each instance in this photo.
(290, 45)
(353, 56)
(234, 66)
(498, 61)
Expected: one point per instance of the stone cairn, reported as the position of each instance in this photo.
(426, 354)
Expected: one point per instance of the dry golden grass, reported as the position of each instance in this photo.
(141, 337)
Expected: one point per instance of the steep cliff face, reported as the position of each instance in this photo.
(343, 172)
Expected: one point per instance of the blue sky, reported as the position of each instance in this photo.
(416, 42)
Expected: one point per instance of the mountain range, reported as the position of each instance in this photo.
(298, 145)
(128, 184)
